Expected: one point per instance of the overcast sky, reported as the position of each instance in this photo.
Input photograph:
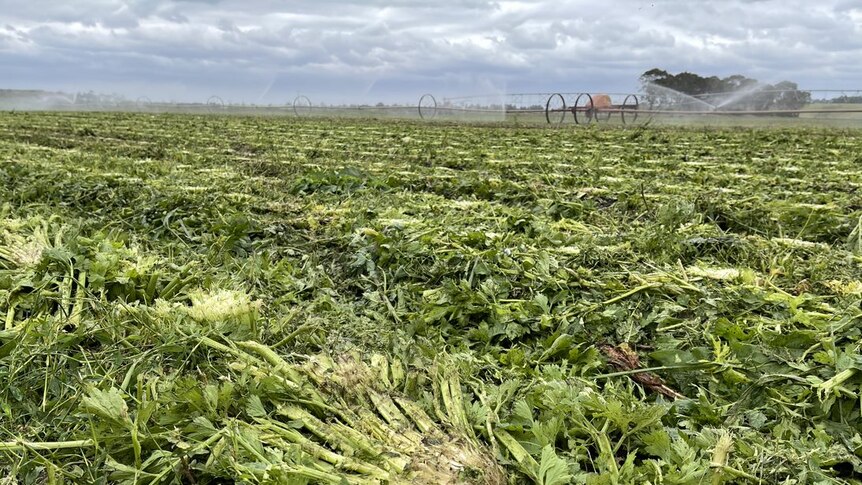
(269, 51)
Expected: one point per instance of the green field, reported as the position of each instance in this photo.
(227, 299)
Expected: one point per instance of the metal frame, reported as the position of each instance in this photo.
(424, 111)
(588, 111)
(215, 103)
(562, 110)
(298, 103)
(550, 106)
(630, 107)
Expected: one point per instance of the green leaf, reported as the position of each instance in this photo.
(522, 413)
(541, 301)
(553, 470)
(546, 432)
(107, 405)
(658, 443)
(254, 407)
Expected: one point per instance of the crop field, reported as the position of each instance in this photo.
(227, 299)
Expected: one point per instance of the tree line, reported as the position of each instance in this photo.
(737, 92)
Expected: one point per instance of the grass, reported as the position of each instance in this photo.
(204, 299)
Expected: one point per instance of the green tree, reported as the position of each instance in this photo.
(666, 90)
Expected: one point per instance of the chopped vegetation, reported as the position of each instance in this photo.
(251, 300)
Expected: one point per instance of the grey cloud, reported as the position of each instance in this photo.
(175, 48)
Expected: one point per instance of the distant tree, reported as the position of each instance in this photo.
(654, 76)
(784, 96)
(789, 97)
(737, 82)
(844, 99)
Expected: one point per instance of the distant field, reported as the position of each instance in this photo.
(453, 114)
(235, 299)
(834, 116)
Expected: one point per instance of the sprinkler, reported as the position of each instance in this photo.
(591, 107)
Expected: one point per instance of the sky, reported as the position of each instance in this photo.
(268, 52)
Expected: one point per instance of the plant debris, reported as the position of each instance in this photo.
(231, 299)
(623, 358)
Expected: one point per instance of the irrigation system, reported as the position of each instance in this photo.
(552, 108)
(215, 104)
(627, 108)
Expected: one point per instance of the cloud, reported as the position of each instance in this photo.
(268, 51)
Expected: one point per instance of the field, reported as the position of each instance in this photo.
(227, 299)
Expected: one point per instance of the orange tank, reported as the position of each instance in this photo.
(600, 101)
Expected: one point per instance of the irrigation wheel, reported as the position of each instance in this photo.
(584, 105)
(301, 105)
(555, 109)
(427, 107)
(215, 104)
(629, 107)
